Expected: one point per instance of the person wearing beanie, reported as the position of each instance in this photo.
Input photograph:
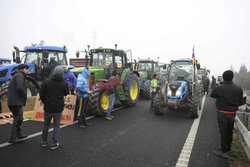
(228, 98)
(111, 93)
(17, 96)
(52, 95)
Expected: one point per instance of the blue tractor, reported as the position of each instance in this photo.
(4, 61)
(182, 89)
(42, 60)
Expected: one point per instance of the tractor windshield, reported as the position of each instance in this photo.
(181, 71)
(201, 72)
(36, 58)
(103, 59)
(144, 66)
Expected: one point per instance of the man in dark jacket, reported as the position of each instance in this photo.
(228, 98)
(205, 83)
(213, 82)
(17, 96)
(52, 95)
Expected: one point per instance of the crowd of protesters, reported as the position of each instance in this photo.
(228, 98)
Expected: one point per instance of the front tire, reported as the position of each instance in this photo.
(193, 105)
(158, 104)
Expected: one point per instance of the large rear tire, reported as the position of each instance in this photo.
(146, 90)
(158, 104)
(131, 90)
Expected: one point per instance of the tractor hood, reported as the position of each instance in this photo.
(6, 70)
(97, 71)
(177, 90)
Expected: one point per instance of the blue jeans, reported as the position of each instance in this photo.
(56, 124)
(111, 103)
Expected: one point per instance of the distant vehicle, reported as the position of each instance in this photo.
(147, 68)
(4, 61)
(219, 79)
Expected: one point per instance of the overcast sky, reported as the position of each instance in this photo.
(219, 29)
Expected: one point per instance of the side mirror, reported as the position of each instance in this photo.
(164, 66)
(198, 66)
(77, 54)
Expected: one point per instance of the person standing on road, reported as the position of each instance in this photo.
(70, 78)
(205, 83)
(111, 92)
(228, 98)
(154, 88)
(213, 82)
(82, 87)
(52, 95)
(17, 96)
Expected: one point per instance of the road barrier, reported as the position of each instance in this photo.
(242, 131)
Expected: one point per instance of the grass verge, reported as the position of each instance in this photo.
(238, 157)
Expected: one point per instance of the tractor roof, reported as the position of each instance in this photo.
(105, 49)
(4, 59)
(147, 60)
(51, 48)
(182, 60)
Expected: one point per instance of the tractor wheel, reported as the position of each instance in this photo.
(146, 90)
(131, 90)
(158, 104)
(99, 102)
(31, 90)
(193, 105)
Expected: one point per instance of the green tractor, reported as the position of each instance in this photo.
(146, 69)
(102, 61)
(181, 90)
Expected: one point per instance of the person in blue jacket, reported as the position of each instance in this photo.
(70, 78)
(82, 87)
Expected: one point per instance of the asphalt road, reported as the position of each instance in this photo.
(135, 137)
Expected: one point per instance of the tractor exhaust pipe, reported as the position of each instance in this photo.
(17, 57)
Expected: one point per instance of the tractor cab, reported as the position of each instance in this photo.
(146, 68)
(44, 59)
(109, 60)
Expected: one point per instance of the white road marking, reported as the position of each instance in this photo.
(40, 133)
(184, 157)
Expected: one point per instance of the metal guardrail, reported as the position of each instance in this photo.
(242, 130)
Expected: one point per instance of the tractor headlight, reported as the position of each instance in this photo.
(178, 92)
(169, 91)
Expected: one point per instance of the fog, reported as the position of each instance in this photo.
(219, 29)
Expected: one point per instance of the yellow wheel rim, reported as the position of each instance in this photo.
(134, 90)
(105, 100)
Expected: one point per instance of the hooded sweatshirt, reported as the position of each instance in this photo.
(17, 91)
(53, 91)
(82, 85)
